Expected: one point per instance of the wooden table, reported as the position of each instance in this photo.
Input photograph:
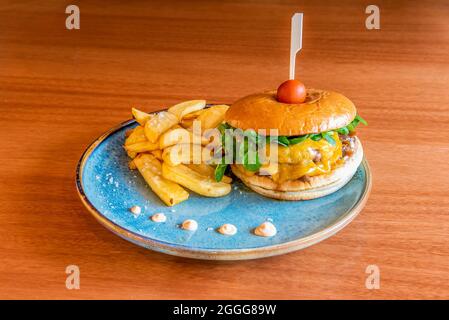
(60, 89)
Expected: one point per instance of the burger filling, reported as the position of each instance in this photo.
(299, 157)
(305, 159)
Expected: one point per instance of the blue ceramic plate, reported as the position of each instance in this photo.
(108, 188)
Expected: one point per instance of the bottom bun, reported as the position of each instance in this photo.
(315, 187)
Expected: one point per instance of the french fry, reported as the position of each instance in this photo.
(194, 181)
(184, 108)
(207, 170)
(169, 192)
(131, 154)
(193, 115)
(157, 154)
(158, 124)
(226, 179)
(212, 117)
(142, 147)
(187, 123)
(164, 142)
(186, 153)
(140, 116)
(203, 169)
(132, 165)
(177, 154)
(179, 135)
(137, 135)
(174, 136)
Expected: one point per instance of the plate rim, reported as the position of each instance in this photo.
(209, 253)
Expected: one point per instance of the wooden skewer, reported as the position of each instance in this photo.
(295, 42)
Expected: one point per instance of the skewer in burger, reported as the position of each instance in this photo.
(318, 149)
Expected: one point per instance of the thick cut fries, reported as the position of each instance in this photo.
(193, 115)
(132, 165)
(186, 153)
(137, 135)
(140, 116)
(157, 154)
(187, 123)
(174, 136)
(207, 170)
(131, 154)
(184, 108)
(194, 181)
(212, 117)
(179, 135)
(158, 124)
(142, 147)
(168, 191)
(170, 149)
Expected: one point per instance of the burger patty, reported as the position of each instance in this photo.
(348, 144)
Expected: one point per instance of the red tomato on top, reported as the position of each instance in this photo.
(291, 91)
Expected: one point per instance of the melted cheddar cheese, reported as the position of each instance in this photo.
(296, 161)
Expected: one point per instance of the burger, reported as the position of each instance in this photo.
(318, 150)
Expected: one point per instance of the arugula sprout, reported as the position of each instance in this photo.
(298, 139)
(328, 136)
(219, 172)
(343, 131)
(250, 136)
(358, 119)
(251, 166)
(283, 141)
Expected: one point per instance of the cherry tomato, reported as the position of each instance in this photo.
(291, 91)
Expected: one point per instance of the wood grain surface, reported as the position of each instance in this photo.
(60, 89)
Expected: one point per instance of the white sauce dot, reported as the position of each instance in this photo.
(190, 225)
(159, 217)
(135, 210)
(228, 229)
(266, 229)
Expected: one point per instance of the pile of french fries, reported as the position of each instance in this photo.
(154, 148)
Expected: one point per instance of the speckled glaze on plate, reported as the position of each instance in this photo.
(108, 188)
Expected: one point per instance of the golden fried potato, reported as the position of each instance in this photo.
(212, 116)
(157, 154)
(184, 108)
(168, 191)
(193, 115)
(174, 136)
(142, 147)
(186, 153)
(177, 154)
(207, 170)
(131, 154)
(187, 123)
(194, 181)
(132, 165)
(140, 116)
(158, 124)
(137, 135)
(179, 135)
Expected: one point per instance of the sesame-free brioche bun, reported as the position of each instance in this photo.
(322, 111)
(315, 187)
